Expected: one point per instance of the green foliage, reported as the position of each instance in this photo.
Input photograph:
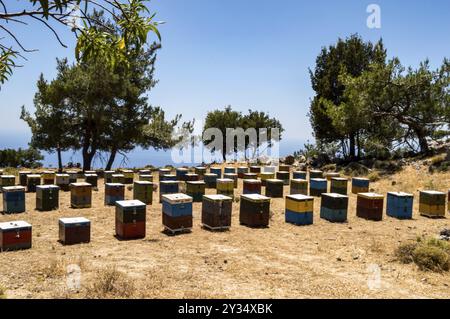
(428, 254)
(28, 158)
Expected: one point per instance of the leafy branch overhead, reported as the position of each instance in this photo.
(132, 19)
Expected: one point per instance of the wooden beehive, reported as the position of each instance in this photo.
(269, 169)
(242, 170)
(181, 173)
(143, 191)
(91, 179)
(73, 176)
(299, 187)
(109, 176)
(144, 172)
(432, 204)
(400, 205)
(217, 171)
(146, 178)
(216, 212)
(168, 187)
(48, 178)
(265, 176)
(196, 190)
(315, 174)
(191, 177)
(331, 175)
(47, 197)
(254, 210)
(370, 206)
(284, 176)
(164, 171)
(317, 186)
(360, 185)
(81, 195)
(7, 180)
(250, 176)
(200, 171)
(232, 176)
(334, 207)
(13, 199)
(251, 186)
(230, 170)
(62, 181)
(255, 169)
(210, 180)
(284, 168)
(118, 179)
(128, 176)
(23, 178)
(274, 188)
(33, 180)
(299, 210)
(114, 192)
(177, 212)
(74, 231)
(130, 219)
(339, 185)
(15, 235)
(299, 175)
(225, 187)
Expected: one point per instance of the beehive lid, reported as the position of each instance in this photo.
(225, 180)
(182, 169)
(340, 179)
(300, 172)
(361, 179)
(400, 194)
(169, 182)
(299, 197)
(143, 183)
(230, 174)
(201, 167)
(48, 172)
(90, 175)
(371, 195)
(72, 172)
(165, 170)
(62, 175)
(274, 181)
(110, 172)
(14, 189)
(114, 185)
(14, 225)
(82, 184)
(34, 176)
(89, 172)
(255, 197)
(252, 181)
(242, 167)
(334, 195)
(170, 175)
(255, 166)
(177, 198)
(74, 220)
(7, 176)
(250, 174)
(332, 174)
(196, 182)
(217, 198)
(118, 175)
(144, 171)
(129, 203)
(47, 187)
(229, 167)
(433, 192)
(318, 179)
(211, 174)
(299, 180)
(24, 172)
(146, 175)
(191, 174)
(266, 173)
(127, 171)
(315, 171)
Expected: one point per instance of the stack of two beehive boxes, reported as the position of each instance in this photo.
(114, 192)
(143, 191)
(47, 197)
(254, 210)
(251, 186)
(216, 212)
(196, 189)
(334, 207)
(299, 186)
(81, 195)
(177, 212)
(299, 209)
(432, 204)
(130, 219)
(339, 185)
(370, 206)
(225, 187)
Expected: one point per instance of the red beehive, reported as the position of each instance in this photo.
(15, 235)
(370, 206)
(74, 230)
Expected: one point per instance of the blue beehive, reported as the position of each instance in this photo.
(317, 186)
(299, 209)
(400, 205)
(177, 205)
(168, 187)
(13, 199)
(230, 170)
(168, 177)
(299, 175)
(360, 185)
(334, 207)
(217, 171)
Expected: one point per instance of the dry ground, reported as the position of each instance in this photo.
(324, 260)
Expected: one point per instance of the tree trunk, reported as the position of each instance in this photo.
(358, 142)
(111, 159)
(87, 159)
(60, 165)
(423, 143)
(352, 148)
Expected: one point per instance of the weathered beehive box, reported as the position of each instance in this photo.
(23, 177)
(274, 188)
(62, 181)
(91, 179)
(334, 207)
(1, 172)
(252, 186)
(7, 180)
(177, 212)
(317, 186)
(47, 197)
(370, 206)
(230, 170)
(225, 186)
(299, 175)
(255, 169)
(109, 176)
(360, 185)
(266, 176)
(15, 235)
(284, 168)
(232, 176)
(254, 210)
(299, 187)
(241, 171)
(168, 187)
(269, 169)
(118, 179)
(191, 177)
(200, 171)
(129, 176)
(146, 178)
(339, 185)
(33, 181)
(196, 190)
(73, 176)
(250, 176)
(74, 231)
(144, 172)
(399, 205)
(315, 174)
(284, 176)
(81, 195)
(331, 175)
(48, 178)
(130, 219)
(13, 199)
(114, 192)
(432, 204)
(89, 172)
(164, 171)
(299, 210)
(169, 177)
(181, 173)
(216, 212)
(211, 180)
(217, 171)
(143, 191)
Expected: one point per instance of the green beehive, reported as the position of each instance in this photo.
(118, 179)
(32, 182)
(7, 180)
(146, 178)
(108, 176)
(339, 185)
(232, 176)
(200, 171)
(196, 189)
(91, 179)
(23, 177)
(47, 197)
(143, 191)
(225, 187)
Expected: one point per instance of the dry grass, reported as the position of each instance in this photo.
(428, 254)
(2, 292)
(110, 283)
(374, 176)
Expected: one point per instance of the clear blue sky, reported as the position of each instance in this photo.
(246, 53)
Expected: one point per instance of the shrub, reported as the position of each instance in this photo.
(20, 158)
(374, 176)
(110, 283)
